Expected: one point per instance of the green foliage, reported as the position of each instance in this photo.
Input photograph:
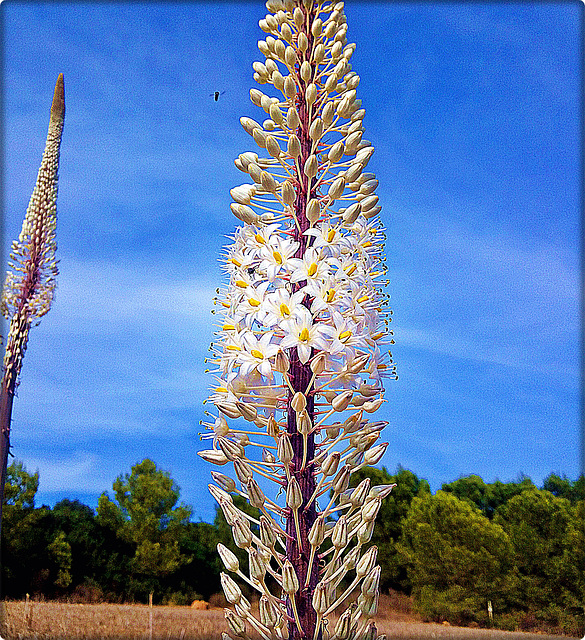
(20, 488)
(147, 516)
(60, 551)
(388, 527)
(454, 554)
(486, 497)
(527, 556)
(537, 523)
(573, 491)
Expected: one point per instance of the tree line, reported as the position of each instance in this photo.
(513, 545)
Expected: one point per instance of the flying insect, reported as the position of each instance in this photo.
(215, 95)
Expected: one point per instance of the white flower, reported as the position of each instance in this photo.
(328, 295)
(257, 354)
(280, 305)
(276, 255)
(311, 268)
(250, 306)
(347, 336)
(327, 236)
(302, 333)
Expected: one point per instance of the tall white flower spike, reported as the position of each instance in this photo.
(301, 350)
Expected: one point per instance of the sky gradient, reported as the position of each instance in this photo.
(474, 111)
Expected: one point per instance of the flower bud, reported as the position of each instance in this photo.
(290, 87)
(235, 623)
(381, 491)
(213, 456)
(341, 402)
(343, 626)
(359, 494)
(290, 582)
(273, 147)
(313, 210)
(304, 424)
(370, 510)
(241, 533)
(320, 599)
(299, 402)
(336, 189)
(317, 532)
(367, 562)
(284, 449)
(311, 94)
(228, 558)
(225, 482)
(341, 480)
(339, 534)
(371, 581)
(311, 166)
(293, 147)
(231, 450)
(255, 495)
(330, 464)
(269, 615)
(256, 563)
(267, 535)
(294, 497)
(231, 590)
(375, 454)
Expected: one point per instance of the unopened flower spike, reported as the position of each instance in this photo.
(30, 283)
(302, 320)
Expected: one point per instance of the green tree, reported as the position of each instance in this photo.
(59, 551)
(573, 491)
(456, 558)
(388, 526)
(147, 516)
(21, 487)
(538, 525)
(486, 497)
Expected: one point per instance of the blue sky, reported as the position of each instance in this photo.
(474, 112)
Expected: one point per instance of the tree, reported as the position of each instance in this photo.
(563, 487)
(487, 497)
(456, 558)
(538, 525)
(147, 515)
(21, 487)
(390, 519)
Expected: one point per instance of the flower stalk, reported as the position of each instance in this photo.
(303, 328)
(30, 282)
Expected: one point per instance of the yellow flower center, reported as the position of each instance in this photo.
(241, 283)
(304, 335)
(284, 310)
(366, 244)
(254, 303)
(363, 299)
(220, 390)
(312, 270)
(260, 239)
(344, 336)
(236, 262)
(330, 295)
(257, 354)
(352, 267)
(331, 235)
(228, 327)
(277, 257)
(233, 347)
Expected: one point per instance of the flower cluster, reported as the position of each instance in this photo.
(30, 284)
(301, 350)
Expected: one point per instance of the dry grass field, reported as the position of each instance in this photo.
(56, 621)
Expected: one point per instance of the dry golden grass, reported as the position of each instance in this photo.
(57, 621)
